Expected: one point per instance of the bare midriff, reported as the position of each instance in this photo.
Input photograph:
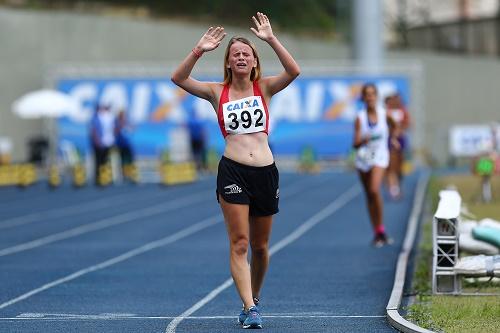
(249, 149)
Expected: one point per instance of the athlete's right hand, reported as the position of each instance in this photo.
(211, 39)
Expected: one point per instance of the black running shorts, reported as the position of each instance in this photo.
(257, 187)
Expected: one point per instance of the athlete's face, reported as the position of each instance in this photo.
(241, 59)
(370, 97)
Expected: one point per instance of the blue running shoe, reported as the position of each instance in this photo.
(243, 314)
(254, 320)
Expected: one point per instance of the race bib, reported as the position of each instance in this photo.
(366, 154)
(246, 115)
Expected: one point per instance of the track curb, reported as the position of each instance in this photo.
(392, 308)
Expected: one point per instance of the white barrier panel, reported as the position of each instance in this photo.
(445, 243)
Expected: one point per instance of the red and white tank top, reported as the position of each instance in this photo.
(245, 115)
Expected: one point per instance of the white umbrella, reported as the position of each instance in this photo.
(45, 103)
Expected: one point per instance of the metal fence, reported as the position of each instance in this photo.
(480, 36)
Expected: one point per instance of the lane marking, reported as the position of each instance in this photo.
(73, 210)
(128, 316)
(127, 255)
(108, 222)
(295, 188)
(58, 212)
(296, 234)
(123, 218)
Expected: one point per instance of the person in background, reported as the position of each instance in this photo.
(247, 179)
(371, 134)
(122, 140)
(198, 138)
(102, 138)
(400, 119)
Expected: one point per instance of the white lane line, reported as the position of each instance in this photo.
(123, 316)
(73, 209)
(59, 212)
(108, 222)
(296, 187)
(296, 234)
(127, 255)
(126, 217)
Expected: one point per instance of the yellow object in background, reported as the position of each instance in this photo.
(17, 174)
(178, 173)
(79, 175)
(26, 175)
(131, 173)
(105, 175)
(54, 176)
(407, 167)
(8, 175)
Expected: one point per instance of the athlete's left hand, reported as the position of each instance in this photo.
(263, 25)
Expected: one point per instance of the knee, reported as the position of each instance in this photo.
(373, 192)
(260, 250)
(239, 246)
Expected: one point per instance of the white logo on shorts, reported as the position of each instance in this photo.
(277, 193)
(232, 189)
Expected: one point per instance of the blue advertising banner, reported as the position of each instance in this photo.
(315, 112)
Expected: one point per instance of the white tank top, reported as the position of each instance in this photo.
(376, 151)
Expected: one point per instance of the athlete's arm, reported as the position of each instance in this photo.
(358, 140)
(182, 75)
(393, 141)
(274, 84)
(406, 119)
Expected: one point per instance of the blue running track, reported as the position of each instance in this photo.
(155, 259)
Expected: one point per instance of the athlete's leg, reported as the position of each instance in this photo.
(399, 170)
(393, 174)
(237, 224)
(365, 178)
(260, 231)
(377, 174)
(401, 160)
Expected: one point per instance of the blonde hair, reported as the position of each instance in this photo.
(256, 72)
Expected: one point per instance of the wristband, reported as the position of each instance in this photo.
(196, 53)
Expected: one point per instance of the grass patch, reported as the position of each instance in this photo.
(465, 313)
(455, 313)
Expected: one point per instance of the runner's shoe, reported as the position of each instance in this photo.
(243, 314)
(387, 240)
(381, 240)
(395, 192)
(254, 320)
(377, 241)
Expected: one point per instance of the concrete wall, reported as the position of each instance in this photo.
(455, 89)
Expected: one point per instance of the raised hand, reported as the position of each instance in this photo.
(211, 39)
(263, 25)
